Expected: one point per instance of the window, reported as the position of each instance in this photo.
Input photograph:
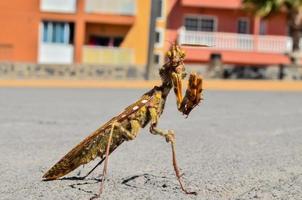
(157, 59)
(191, 24)
(262, 29)
(105, 41)
(159, 33)
(243, 26)
(200, 23)
(57, 32)
(117, 41)
(157, 36)
(207, 25)
(99, 40)
(159, 8)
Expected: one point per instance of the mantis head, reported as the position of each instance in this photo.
(174, 66)
(175, 57)
(173, 71)
(172, 74)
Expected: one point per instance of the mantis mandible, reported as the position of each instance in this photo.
(127, 124)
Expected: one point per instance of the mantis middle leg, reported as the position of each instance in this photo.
(170, 138)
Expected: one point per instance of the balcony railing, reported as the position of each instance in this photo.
(108, 55)
(120, 7)
(52, 53)
(237, 42)
(65, 6)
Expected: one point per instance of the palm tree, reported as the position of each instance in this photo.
(293, 8)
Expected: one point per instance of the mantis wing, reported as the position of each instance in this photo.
(94, 145)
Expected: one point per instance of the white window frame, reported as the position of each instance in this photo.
(163, 10)
(161, 37)
(160, 55)
(248, 24)
(50, 32)
(70, 6)
(200, 17)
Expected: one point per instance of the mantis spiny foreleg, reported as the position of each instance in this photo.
(193, 93)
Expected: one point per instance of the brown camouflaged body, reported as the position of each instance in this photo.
(95, 144)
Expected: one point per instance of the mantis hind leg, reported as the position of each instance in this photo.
(129, 135)
(106, 159)
(98, 164)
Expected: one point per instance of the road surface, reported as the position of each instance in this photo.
(236, 145)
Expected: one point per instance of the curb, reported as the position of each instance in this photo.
(235, 85)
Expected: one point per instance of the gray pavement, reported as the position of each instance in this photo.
(236, 145)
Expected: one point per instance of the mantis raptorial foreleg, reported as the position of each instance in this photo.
(170, 138)
(192, 95)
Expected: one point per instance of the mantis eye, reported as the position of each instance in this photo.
(182, 54)
(169, 54)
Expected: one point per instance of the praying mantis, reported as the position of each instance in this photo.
(126, 125)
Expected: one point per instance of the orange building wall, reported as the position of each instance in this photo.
(19, 30)
(20, 21)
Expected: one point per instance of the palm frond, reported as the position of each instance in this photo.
(264, 8)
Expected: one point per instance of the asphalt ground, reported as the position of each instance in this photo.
(236, 145)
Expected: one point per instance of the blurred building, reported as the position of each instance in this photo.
(74, 31)
(115, 32)
(235, 35)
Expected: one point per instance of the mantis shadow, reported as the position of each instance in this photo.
(139, 181)
(145, 181)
